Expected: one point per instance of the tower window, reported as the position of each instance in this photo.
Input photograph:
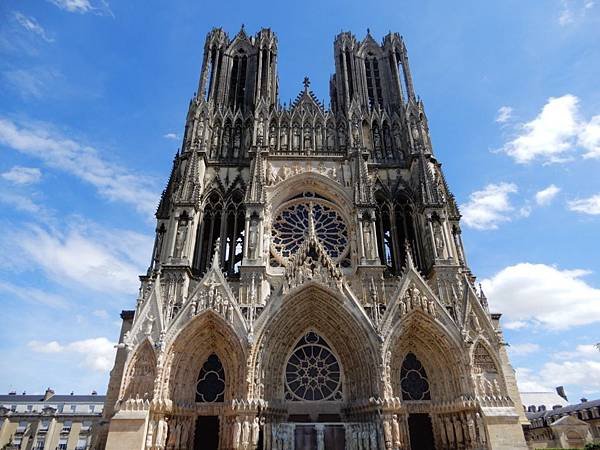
(373, 81)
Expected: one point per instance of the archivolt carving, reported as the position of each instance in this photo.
(140, 374)
(315, 309)
(204, 335)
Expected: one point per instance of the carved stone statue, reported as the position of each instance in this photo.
(255, 431)
(237, 432)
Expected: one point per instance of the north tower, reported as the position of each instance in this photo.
(308, 287)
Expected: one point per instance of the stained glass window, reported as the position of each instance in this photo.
(211, 381)
(313, 372)
(291, 223)
(413, 379)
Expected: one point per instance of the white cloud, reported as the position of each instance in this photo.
(99, 7)
(112, 181)
(525, 348)
(488, 207)
(31, 83)
(96, 354)
(32, 25)
(31, 294)
(86, 256)
(20, 202)
(100, 313)
(22, 175)
(504, 114)
(573, 11)
(550, 136)
(555, 134)
(545, 196)
(589, 138)
(590, 205)
(576, 370)
(515, 325)
(171, 136)
(543, 295)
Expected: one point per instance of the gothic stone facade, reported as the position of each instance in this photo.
(308, 287)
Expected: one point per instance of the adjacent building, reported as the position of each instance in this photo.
(49, 421)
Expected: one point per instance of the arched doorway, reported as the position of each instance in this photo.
(210, 388)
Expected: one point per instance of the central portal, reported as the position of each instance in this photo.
(421, 432)
(207, 433)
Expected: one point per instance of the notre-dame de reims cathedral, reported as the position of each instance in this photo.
(308, 287)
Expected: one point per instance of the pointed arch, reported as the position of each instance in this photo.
(439, 351)
(205, 335)
(342, 324)
(140, 374)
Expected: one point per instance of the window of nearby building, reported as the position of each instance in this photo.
(81, 444)
(13, 408)
(73, 407)
(29, 408)
(86, 425)
(44, 425)
(39, 443)
(92, 408)
(22, 426)
(61, 408)
(67, 424)
(62, 444)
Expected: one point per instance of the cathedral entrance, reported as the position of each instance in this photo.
(319, 436)
(421, 432)
(206, 436)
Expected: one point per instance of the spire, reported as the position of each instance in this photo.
(164, 206)
(256, 192)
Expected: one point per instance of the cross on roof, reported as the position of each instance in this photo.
(306, 83)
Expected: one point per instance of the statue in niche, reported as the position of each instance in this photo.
(272, 136)
(296, 138)
(245, 434)
(396, 431)
(253, 238)
(284, 137)
(377, 140)
(255, 431)
(342, 137)
(330, 139)
(438, 237)
(237, 142)
(368, 240)
(307, 145)
(237, 432)
(162, 431)
(226, 142)
(260, 133)
(180, 238)
(356, 134)
(269, 175)
(319, 138)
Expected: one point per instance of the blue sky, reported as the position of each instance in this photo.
(93, 97)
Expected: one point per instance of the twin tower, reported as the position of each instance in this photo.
(308, 287)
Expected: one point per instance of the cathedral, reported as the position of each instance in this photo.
(309, 288)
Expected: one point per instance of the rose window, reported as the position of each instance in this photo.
(291, 226)
(313, 372)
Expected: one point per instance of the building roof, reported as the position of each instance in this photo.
(38, 398)
(547, 399)
(564, 410)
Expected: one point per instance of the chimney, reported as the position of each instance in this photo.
(49, 393)
(12, 393)
(560, 390)
(583, 399)
(94, 393)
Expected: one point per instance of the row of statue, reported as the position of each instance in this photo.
(413, 299)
